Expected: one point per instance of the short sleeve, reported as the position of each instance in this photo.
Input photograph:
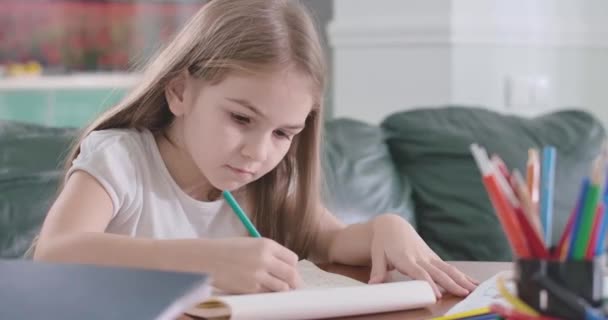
(107, 155)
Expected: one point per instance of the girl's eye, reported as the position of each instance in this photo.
(282, 134)
(240, 118)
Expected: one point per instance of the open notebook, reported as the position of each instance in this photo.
(324, 295)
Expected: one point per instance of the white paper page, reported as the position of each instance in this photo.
(396, 276)
(487, 294)
(329, 302)
(314, 277)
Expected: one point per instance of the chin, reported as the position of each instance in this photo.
(229, 185)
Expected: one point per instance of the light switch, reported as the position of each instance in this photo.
(528, 93)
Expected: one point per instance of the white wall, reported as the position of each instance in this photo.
(389, 55)
(517, 56)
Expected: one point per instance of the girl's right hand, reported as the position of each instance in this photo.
(248, 265)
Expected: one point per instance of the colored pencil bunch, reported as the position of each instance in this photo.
(524, 206)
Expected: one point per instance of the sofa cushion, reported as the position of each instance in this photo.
(30, 171)
(361, 179)
(453, 211)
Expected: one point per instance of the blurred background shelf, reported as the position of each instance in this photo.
(97, 80)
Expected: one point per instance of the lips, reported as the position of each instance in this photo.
(239, 171)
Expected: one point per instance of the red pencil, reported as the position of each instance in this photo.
(562, 250)
(515, 191)
(519, 186)
(504, 211)
(512, 314)
(501, 166)
(537, 248)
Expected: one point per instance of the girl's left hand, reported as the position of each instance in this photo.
(396, 245)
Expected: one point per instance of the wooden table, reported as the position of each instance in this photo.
(480, 271)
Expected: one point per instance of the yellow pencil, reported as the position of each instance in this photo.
(465, 314)
(515, 302)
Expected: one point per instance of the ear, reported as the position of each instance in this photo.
(177, 95)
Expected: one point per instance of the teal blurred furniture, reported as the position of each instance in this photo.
(62, 108)
(416, 164)
(61, 101)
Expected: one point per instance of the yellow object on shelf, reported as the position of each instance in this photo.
(24, 69)
(15, 70)
(33, 68)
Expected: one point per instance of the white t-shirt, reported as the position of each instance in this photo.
(147, 201)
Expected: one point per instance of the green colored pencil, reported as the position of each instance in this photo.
(589, 211)
(241, 214)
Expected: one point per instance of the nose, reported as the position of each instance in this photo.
(256, 147)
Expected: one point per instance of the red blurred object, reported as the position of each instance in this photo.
(86, 35)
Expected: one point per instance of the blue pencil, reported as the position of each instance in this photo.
(547, 182)
(600, 246)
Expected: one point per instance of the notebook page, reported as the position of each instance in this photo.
(314, 277)
(484, 295)
(396, 276)
(327, 302)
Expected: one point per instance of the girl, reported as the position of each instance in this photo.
(233, 103)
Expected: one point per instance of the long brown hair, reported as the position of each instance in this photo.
(253, 36)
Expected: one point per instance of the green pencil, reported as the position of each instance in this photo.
(241, 214)
(589, 211)
(586, 226)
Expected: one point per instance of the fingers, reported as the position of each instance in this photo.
(264, 289)
(285, 254)
(273, 284)
(286, 273)
(444, 280)
(378, 273)
(274, 267)
(417, 272)
(474, 281)
(456, 275)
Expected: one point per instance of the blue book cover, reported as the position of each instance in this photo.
(37, 290)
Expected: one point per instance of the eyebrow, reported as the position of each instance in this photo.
(250, 106)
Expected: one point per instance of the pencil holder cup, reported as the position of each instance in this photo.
(562, 289)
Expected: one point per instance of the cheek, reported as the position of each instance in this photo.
(227, 133)
(204, 138)
(278, 154)
(208, 128)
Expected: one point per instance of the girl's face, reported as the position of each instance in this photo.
(239, 129)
